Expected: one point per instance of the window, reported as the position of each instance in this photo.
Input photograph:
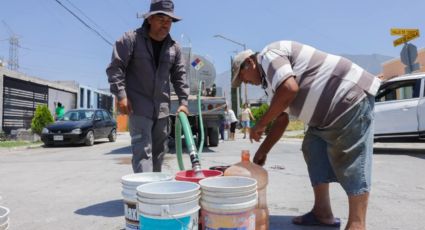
(81, 98)
(106, 115)
(99, 115)
(400, 90)
(88, 99)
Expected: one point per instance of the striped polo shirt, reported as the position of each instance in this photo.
(329, 85)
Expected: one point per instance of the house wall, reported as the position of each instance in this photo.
(395, 67)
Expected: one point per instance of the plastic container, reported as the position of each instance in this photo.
(226, 135)
(168, 205)
(189, 175)
(129, 193)
(246, 168)
(228, 202)
(4, 218)
(220, 168)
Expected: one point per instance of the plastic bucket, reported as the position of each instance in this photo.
(228, 184)
(221, 168)
(129, 193)
(189, 175)
(186, 221)
(168, 205)
(228, 202)
(4, 218)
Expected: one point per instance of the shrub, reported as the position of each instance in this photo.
(3, 136)
(259, 112)
(41, 118)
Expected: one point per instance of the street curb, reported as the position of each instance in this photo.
(23, 147)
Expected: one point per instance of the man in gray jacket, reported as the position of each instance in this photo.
(143, 64)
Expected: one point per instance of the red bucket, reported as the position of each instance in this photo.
(189, 175)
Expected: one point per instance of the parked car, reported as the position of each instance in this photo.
(400, 108)
(80, 126)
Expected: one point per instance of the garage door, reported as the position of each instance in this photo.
(20, 99)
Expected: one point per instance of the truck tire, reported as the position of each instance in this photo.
(213, 136)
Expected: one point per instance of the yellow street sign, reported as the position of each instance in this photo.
(407, 35)
(399, 31)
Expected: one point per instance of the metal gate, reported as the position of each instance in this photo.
(20, 99)
(105, 102)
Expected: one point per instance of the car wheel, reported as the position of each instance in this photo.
(89, 141)
(113, 135)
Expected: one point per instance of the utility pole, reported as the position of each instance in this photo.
(13, 63)
(243, 45)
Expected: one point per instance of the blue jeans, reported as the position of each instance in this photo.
(342, 152)
(245, 124)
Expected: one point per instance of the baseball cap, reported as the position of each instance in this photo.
(236, 66)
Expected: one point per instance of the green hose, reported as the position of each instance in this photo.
(183, 122)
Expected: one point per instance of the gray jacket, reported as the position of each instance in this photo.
(132, 73)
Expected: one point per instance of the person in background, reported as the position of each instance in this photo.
(231, 121)
(246, 117)
(143, 64)
(223, 126)
(335, 98)
(59, 111)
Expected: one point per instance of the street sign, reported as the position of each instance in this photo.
(408, 56)
(407, 35)
(399, 31)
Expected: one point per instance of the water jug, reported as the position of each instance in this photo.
(249, 169)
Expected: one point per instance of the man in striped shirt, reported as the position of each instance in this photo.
(335, 98)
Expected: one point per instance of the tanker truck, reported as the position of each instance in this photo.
(198, 68)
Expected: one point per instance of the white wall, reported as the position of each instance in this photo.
(67, 99)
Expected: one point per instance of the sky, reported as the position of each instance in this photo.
(54, 45)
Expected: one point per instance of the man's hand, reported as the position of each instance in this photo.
(183, 109)
(124, 106)
(256, 132)
(260, 158)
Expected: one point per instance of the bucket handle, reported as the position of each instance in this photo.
(165, 212)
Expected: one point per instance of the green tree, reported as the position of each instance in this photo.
(41, 118)
(259, 112)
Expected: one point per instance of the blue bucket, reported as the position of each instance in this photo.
(169, 205)
(187, 221)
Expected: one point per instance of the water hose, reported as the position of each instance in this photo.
(183, 123)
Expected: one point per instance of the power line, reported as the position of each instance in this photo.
(84, 23)
(85, 15)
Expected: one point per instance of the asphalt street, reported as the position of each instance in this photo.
(78, 187)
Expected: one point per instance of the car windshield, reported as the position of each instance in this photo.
(78, 115)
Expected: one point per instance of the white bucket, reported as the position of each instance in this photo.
(4, 218)
(228, 184)
(168, 205)
(228, 202)
(129, 193)
(229, 194)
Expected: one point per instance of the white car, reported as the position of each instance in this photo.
(400, 108)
